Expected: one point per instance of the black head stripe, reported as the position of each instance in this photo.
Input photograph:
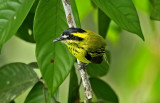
(73, 30)
(72, 37)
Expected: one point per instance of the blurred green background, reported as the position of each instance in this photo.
(135, 65)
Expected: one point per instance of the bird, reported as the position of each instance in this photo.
(87, 46)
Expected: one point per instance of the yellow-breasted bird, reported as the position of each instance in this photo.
(85, 45)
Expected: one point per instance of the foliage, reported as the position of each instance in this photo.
(62, 63)
(39, 94)
(103, 91)
(12, 16)
(13, 78)
(123, 13)
(155, 14)
(41, 21)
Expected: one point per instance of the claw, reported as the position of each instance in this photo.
(82, 66)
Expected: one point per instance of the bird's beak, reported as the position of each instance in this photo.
(57, 39)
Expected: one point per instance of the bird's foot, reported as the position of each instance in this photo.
(82, 66)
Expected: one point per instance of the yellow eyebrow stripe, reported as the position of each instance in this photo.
(82, 35)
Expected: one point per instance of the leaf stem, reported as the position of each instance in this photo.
(45, 87)
(55, 100)
(45, 99)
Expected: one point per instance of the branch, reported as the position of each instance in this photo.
(84, 75)
(85, 80)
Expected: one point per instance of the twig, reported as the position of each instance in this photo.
(45, 87)
(41, 80)
(86, 83)
(84, 75)
(55, 100)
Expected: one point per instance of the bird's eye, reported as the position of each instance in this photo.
(71, 36)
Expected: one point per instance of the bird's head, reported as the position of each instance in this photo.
(71, 34)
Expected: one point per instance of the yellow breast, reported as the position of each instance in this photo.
(78, 52)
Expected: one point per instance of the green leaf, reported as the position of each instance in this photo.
(33, 64)
(142, 5)
(97, 70)
(15, 78)
(73, 88)
(103, 23)
(39, 94)
(34, 7)
(25, 32)
(75, 13)
(123, 13)
(155, 15)
(103, 91)
(13, 12)
(54, 59)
